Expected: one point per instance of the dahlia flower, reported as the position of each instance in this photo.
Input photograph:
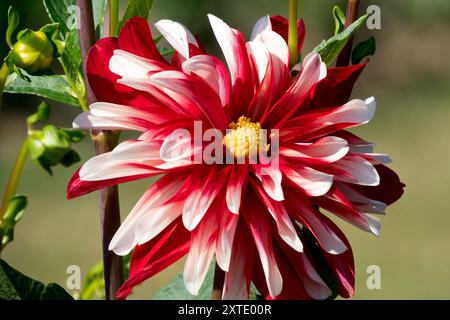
(256, 219)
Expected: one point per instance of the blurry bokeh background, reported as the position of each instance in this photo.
(410, 77)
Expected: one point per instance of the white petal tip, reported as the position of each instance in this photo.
(297, 246)
(371, 106)
(223, 264)
(192, 288)
(233, 207)
(337, 250)
(374, 224)
(120, 251)
(82, 121)
(189, 223)
(212, 18)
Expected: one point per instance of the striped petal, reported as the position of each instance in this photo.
(203, 247)
(177, 35)
(149, 216)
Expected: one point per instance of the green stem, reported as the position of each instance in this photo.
(351, 15)
(14, 179)
(83, 104)
(113, 17)
(293, 33)
(4, 72)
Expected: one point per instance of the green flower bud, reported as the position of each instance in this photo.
(32, 52)
(52, 146)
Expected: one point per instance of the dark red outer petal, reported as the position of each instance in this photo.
(390, 189)
(335, 90)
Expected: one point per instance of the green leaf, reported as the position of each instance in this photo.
(55, 87)
(13, 22)
(136, 8)
(61, 11)
(64, 12)
(58, 12)
(166, 51)
(158, 39)
(339, 19)
(16, 286)
(99, 9)
(330, 49)
(364, 49)
(176, 290)
(71, 62)
(94, 282)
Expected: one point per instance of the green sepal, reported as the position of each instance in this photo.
(14, 212)
(42, 114)
(13, 23)
(52, 31)
(339, 20)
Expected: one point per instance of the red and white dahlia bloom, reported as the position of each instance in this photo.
(251, 217)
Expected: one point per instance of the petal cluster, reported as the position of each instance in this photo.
(263, 224)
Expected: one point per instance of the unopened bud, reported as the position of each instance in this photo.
(33, 51)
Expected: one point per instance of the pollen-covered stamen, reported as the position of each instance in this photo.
(243, 138)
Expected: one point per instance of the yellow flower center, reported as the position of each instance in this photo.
(243, 138)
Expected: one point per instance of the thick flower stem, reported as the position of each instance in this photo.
(350, 16)
(113, 17)
(104, 141)
(293, 33)
(4, 72)
(109, 209)
(87, 40)
(14, 179)
(219, 280)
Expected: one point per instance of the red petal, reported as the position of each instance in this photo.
(389, 190)
(336, 89)
(104, 83)
(235, 51)
(238, 279)
(156, 255)
(136, 38)
(260, 103)
(342, 266)
(77, 188)
(177, 61)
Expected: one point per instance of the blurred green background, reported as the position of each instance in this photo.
(410, 77)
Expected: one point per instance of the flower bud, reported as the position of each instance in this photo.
(52, 146)
(33, 51)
